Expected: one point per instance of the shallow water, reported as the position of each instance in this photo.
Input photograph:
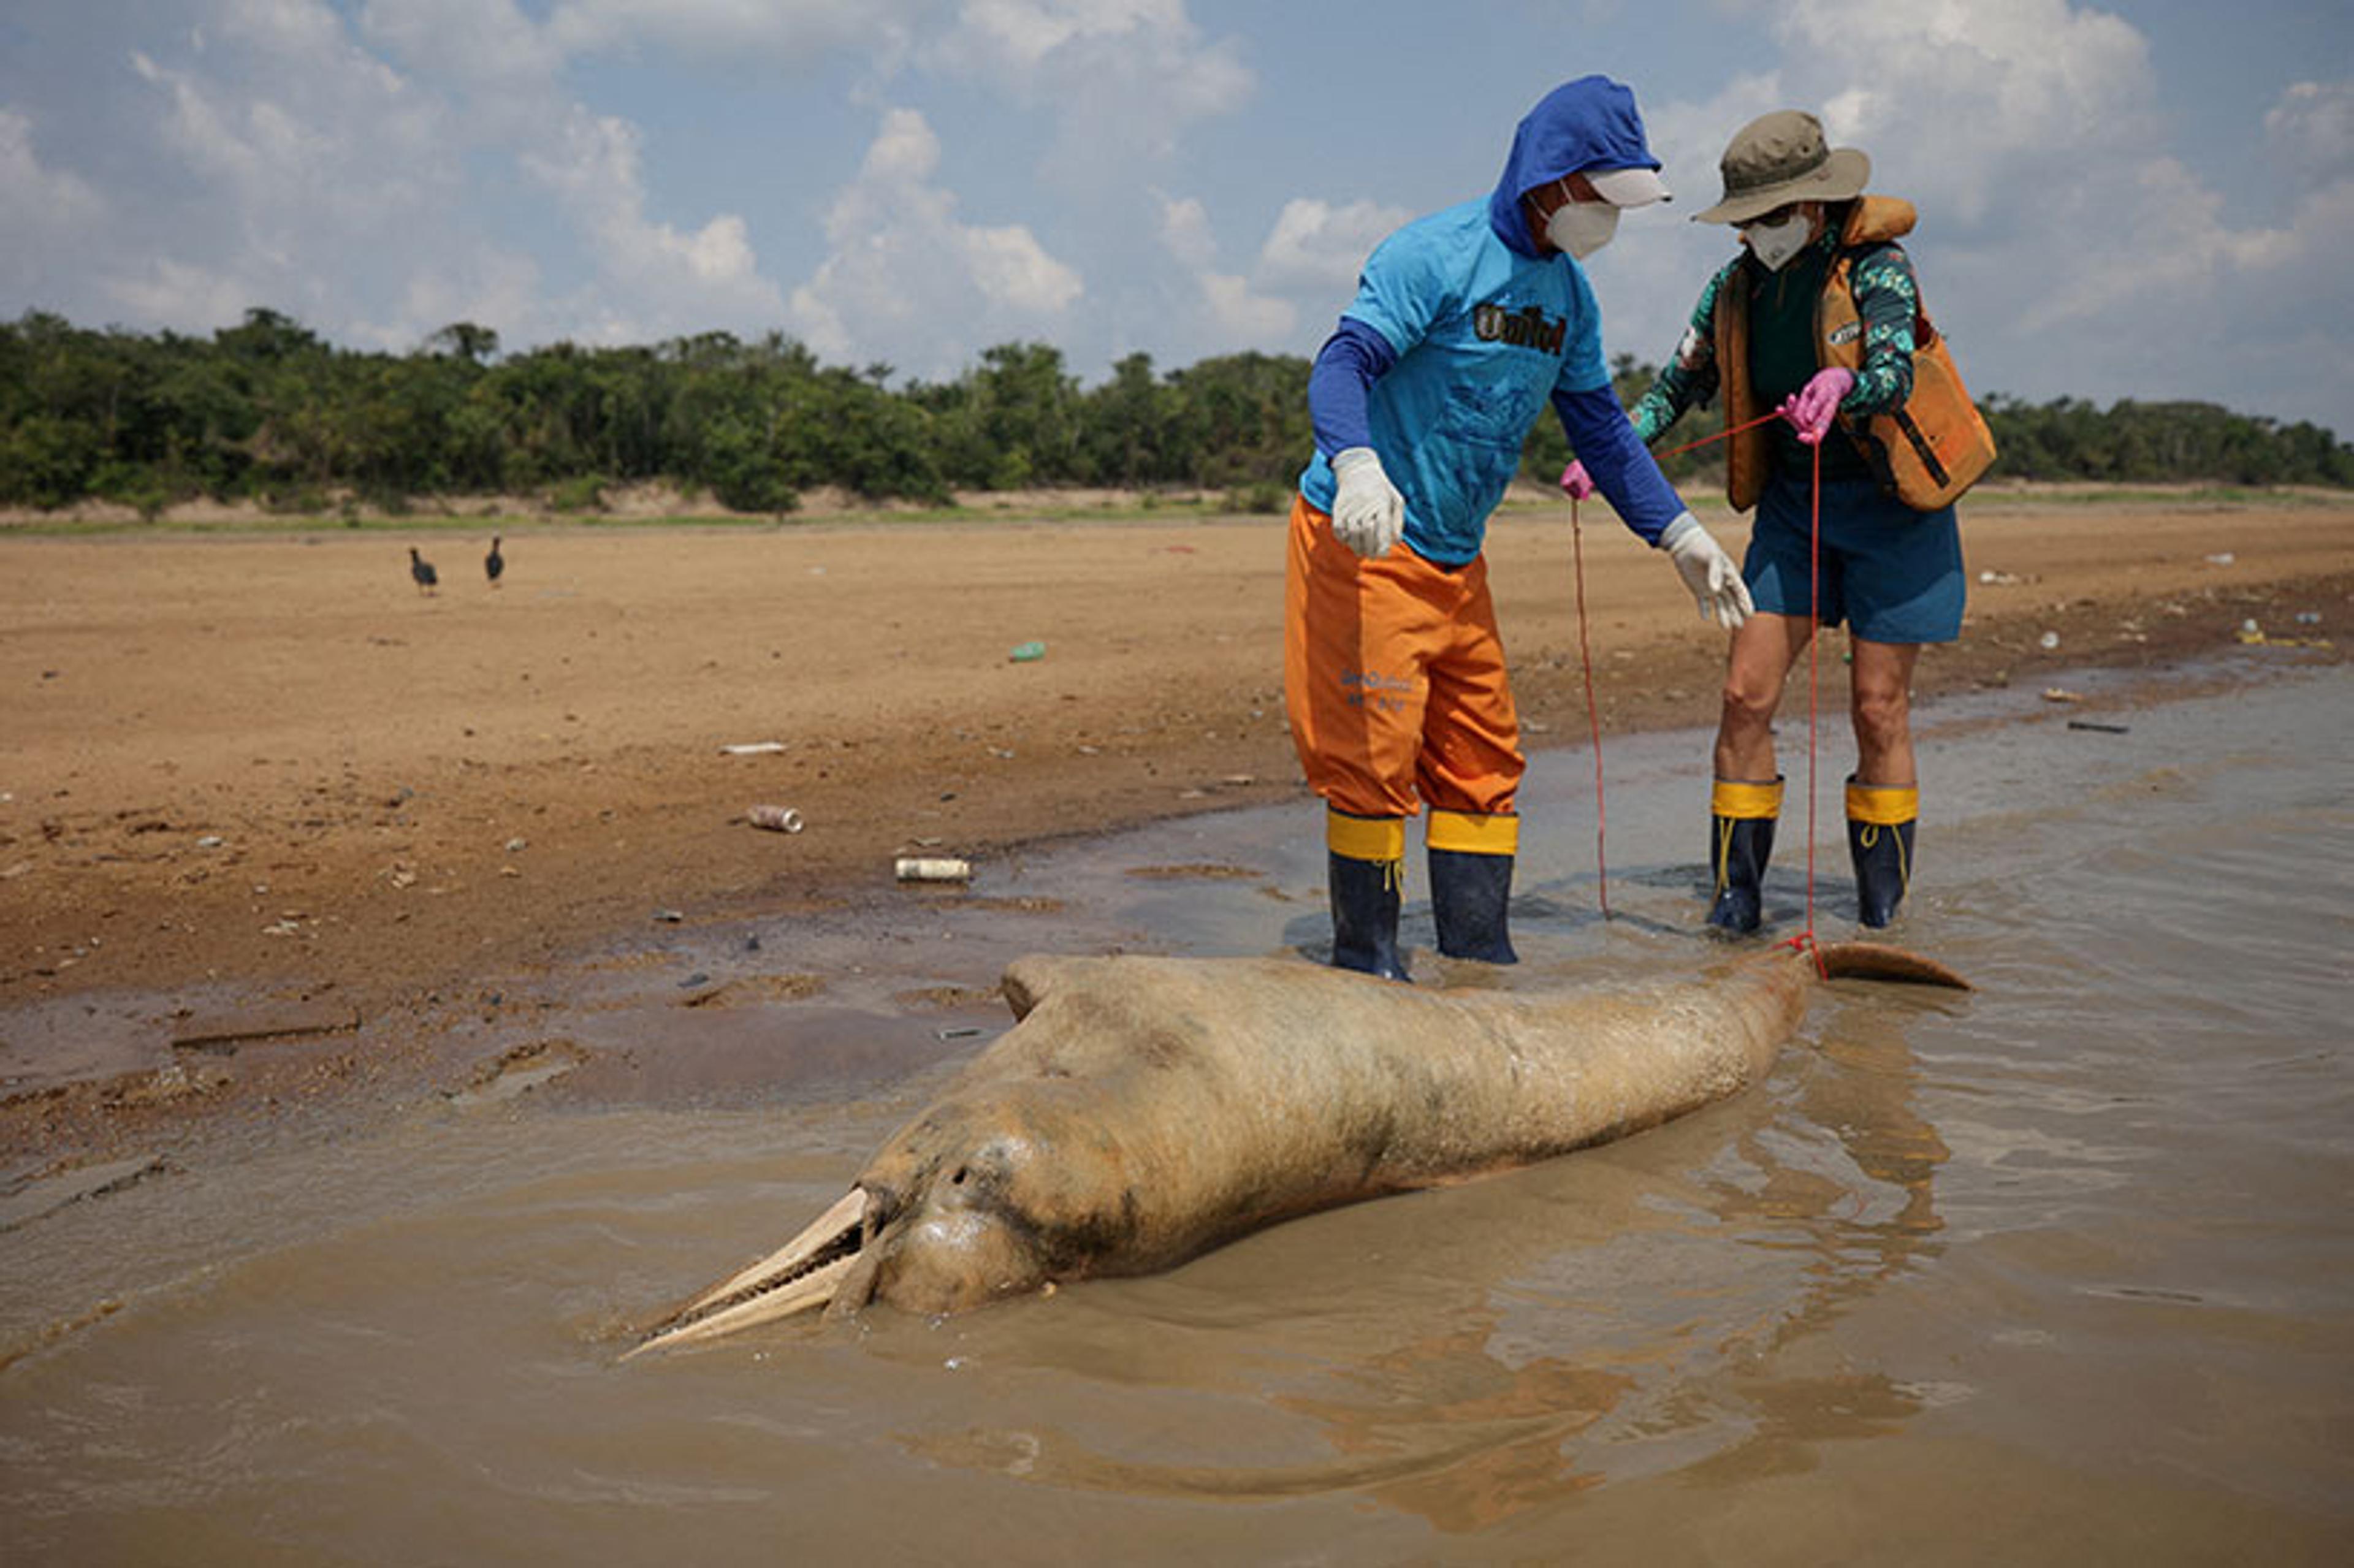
(2060, 1271)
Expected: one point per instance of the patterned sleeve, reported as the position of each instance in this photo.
(1691, 375)
(1887, 299)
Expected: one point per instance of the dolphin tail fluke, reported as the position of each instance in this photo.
(1876, 961)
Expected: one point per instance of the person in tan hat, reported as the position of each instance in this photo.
(1819, 317)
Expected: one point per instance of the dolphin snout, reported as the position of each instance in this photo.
(805, 1275)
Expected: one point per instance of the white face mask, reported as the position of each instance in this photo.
(1775, 243)
(1581, 228)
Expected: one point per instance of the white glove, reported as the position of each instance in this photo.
(1715, 582)
(1368, 514)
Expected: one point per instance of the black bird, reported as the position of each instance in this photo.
(495, 563)
(422, 571)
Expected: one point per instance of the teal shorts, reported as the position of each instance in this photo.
(1892, 574)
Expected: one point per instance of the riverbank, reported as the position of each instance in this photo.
(267, 765)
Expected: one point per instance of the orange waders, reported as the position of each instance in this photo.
(1393, 680)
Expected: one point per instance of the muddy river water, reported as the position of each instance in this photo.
(2060, 1271)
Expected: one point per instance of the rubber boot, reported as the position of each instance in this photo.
(1365, 916)
(1366, 869)
(1740, 844)
(1879, 822)
(1470, 894)
(1471, 883)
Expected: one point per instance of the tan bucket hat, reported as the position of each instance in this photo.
(1779, 158)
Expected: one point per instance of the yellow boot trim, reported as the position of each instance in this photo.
(1468, 833)
(1744, 801)
(1364, 838)
(1883, 805)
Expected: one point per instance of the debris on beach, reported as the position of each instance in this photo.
(2254, 636)
(222, 1032)
(30, 1198)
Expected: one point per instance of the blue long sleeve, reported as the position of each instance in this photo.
(1619, 464)
(1351, 360)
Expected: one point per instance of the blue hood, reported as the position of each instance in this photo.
(1589, 123)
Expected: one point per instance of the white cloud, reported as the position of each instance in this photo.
(52, 213)
(1243, 316)
(731, 29)
(680, 279)
(653, 277)
(1978, 103)
(481, 41)
(1013, 270)
(300, 129)
(1185, 231)
(292, 167)
(485, 287)
(2060, 243)
(1315, 245)
(338, 170)
(1123, 79)
(182, 294)
(2313, 125)
(1227, 304)
(904, 280)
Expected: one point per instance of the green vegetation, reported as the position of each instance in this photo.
(268, 412)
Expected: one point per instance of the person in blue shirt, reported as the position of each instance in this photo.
(1466, 323)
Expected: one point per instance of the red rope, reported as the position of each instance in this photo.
(1813, 664)
(1732, 430)
(1593, 712)
(1804, 940)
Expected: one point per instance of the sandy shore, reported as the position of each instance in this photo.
(265, 761)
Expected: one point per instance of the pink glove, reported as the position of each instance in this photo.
(1813, 407)
(1574, 480)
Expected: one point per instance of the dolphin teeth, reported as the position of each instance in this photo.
(799, 1276)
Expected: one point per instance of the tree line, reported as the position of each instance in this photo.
(269, 412)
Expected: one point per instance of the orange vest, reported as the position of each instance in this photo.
(1929, 451)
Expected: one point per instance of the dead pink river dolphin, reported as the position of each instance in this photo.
(1144, 1110)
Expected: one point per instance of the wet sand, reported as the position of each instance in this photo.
(2076, 1241)
(258, 782)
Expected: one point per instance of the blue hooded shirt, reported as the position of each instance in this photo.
(1483, 328)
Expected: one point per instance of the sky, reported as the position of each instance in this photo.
(2153, 199)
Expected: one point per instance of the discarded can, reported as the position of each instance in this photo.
(1027, 652)
(776, 819)
(923, 868)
